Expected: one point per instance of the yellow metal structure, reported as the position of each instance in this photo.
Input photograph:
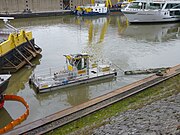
(82, 71)
(70, 67)
(14, 40)
(79, 8)
(108, 3)
(92, 2)
(73, 62)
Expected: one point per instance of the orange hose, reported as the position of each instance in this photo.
(18, 121)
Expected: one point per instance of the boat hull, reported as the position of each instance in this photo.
(4, 82)
(83, 81)
(149, 17)
(90, 13)
(13, 61)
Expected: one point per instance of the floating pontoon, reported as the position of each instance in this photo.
(79, 70)
(17, 48)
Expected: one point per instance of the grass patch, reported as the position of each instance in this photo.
(85, 125)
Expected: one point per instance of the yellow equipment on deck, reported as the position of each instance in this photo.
(17, 50)
(14, 40)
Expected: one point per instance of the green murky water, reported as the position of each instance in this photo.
(128, 46)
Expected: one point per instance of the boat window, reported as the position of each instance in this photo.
(78, 64)
(138, 5)
(172, 5)
(134, 5)
(154, 6)
(176, 6)
(172, 13)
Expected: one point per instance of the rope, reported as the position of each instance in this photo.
(118, 67)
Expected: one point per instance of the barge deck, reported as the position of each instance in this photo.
(17, 50)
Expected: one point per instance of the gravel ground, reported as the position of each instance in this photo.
(159, 118)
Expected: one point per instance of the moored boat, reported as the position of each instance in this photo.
(4, 80)
(79, 70)
(97, 8)
(17, 48)
(118, 6)
(141, 11)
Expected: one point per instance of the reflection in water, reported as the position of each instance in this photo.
(97, 28)
(77, 94)
(74, 96)
(153, 33)
(40, 22)
(5, 117)
(103, 37)
(19, 79)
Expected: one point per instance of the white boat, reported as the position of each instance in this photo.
(98, 8)
(4, 80)
(149, 11)
(79, 70)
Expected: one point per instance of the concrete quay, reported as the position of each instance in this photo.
(37, 14)
(61, 118)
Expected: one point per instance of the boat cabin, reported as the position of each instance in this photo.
(153, 5)
(78, 62)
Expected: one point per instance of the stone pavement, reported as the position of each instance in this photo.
(159, 118)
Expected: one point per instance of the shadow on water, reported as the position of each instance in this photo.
(153, 33)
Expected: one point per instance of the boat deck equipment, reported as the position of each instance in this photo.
(79, 70)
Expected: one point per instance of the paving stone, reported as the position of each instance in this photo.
(158, 118)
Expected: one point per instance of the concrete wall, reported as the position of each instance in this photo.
(12, 5)
(19, 6)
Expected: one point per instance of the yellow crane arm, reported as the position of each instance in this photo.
(110, 3)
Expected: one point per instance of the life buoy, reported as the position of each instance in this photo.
(17, 121)
(1, 104)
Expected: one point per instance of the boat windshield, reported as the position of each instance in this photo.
(134, 5)
(172, 6)
(141, 5)
(154, 6)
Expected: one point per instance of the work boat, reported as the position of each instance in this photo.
(17, 48)
(98, 8)
(79, 70)
(152, 11)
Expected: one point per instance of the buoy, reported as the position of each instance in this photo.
(19, 120)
